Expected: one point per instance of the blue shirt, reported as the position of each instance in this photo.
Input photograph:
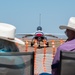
(4, 50)
(11, 60)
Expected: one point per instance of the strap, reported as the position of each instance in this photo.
(13, 66)
(72, 49)
(56, 65)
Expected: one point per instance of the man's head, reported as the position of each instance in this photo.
(7, 32)
(70, 34)
(70, 28)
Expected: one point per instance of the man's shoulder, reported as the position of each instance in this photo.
(67, 45)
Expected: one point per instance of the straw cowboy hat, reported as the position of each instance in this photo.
(7, 32)
(71, 24)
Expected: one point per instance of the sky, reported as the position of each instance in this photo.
(24, 14)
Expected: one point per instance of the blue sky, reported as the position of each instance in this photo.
(24, 14)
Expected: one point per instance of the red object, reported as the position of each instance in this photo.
(39, 34)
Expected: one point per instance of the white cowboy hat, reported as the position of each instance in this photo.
(7, 32)
(71, 24)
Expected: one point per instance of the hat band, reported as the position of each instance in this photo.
(10, 38)
(7, 38)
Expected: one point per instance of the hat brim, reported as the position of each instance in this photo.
(15, 40)
(66, 27)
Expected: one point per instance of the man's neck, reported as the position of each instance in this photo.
(69, 39)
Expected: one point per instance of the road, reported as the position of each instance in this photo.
(44, 57)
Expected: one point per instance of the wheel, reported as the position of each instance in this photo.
(39, 46)
(47, 44)
(32, 44)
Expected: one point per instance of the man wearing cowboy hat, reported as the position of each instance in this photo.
(69, 44)
(7, 44)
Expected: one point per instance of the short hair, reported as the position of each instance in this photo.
(8, 46)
